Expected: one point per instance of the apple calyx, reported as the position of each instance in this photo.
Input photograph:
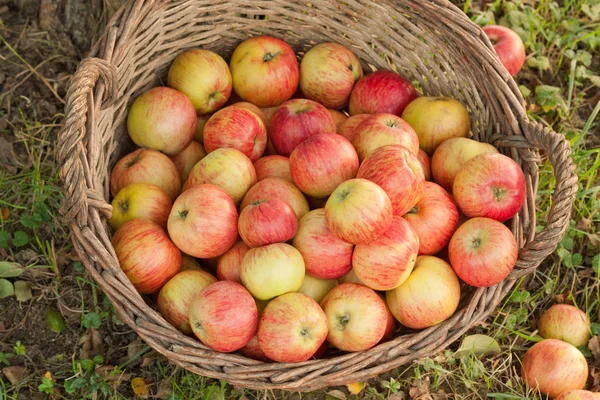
(183, 214)
(499, 193)
(133, 161)
(343, 194)
(342, 321)
(305, 333)
(124, 206)
(476, 242)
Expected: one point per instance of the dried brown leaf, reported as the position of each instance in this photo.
(594, 346)
(420, 390)
(14, 374)
(164, 391)
(91, 345)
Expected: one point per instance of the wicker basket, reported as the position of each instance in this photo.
(429, 41)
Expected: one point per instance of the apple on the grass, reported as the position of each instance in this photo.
(554, 367)
(328, 72)
(482, 252)
(398, 172)
(434, 219)
(203, 221)
(348, 128)
(382, 91)
(292, 328)
(490, 185)
(202, 120)
(189, 263)
(295, 121)
(162, 119)
(227, 168)
(429, 296)
(358, 211)
(425, 164)
(189, 157)
(174, 298)
(140, 200)
(146, 254)
(272, 270)
(326, 256)
(267, 221)
(381, 130)
(321, 163)
(386, 262)
(251, 107)
(146, 166)
(316, 288)
(203, 76)
(273, 167)
(579, 395)
(265, 71)
(565, 322)
(270, 188)
(229, 264)
(356, 315)
(508, 45)
(338, 117)
(219, 325)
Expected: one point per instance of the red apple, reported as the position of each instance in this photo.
(508, 45)
(578, 395)
(267, 221)
(316, 288)
(381, 130)
(229, 264)
(273, 167)
(351, 277)
(146, 255)
(425, 164)
(338, 117)
(189, 157)
(390, 323)
(348, 128)
(189, 263)
(202, 120)
(565, 322)
(251, 107)
(270, 188)
(252, 350)
(268, 115)
(381, 92)
(140, 201)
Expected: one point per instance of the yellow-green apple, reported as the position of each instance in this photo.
(278, 188)
(381, 130)
(350, 277)
(174, 298)
(237, 128)
(482, 252)
(338, 117)
(189, 263)
(382, 91)
(429, 296)
(565, 322)
(224, 316)
(358, 211)
(321, 163)
(227, 168)
(356, 316)
(436, 119)
(202, 119)
(146, 255)
(273, 167)
(328, 72)
(162, 119)
(386, 262)
(295, 121)
(316, 288)
(265, 71)
(189, 157)
(251, 107)
(267, 221)
(292, 328)
(146, 166)
(398, 172)
(203, 221)
(490, 185)
(230, 263)
(434, 219)
(203, 76)
(272, 270)
(140, 201)
(425, 164)
(252, 350)
(348, 128)
(508, 46)
(326, 256)
(554, 367)
(579, 395)
(451, 155)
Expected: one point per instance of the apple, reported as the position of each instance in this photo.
(425, 164)
(174, 298)
(328, 72)
(146, 255)
(390, 323)
(267, 221)
(434, 219)
(382, 91)
(398, 173)
(429, 296)
(227, 168)
(482, 252)
(211, 263)
(265, 71)
(320, 353)
(237, 128)
(268, 115)
(229, 264)
(203, 221)
(251, 107)
(490, 185)
(252, 350)
(162, 119)
(292, 328)
(508, 46)
(270, 188)
(189, 157)
(386, 262)
(565, 322)
(203, 76)
(554, 367)
(273, 167)
(295, 121)
(451, 155)
(321, 163)
(140, 201)
(348, 128)
(202, 120)
(325, 255)
(219, 325)
(356, 316)
(189, 263)
(146, 166)
(338, 117)
(436, 119)
(350, 277)
(578, 395)
(272, 270)
(316, 288)
(381, 130)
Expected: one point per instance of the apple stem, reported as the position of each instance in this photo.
(268, 57)
(124, 206)
(476, 242)
(343, 320)
(183, 214)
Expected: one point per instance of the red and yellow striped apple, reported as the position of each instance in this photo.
(267, 221)
(565, 322)
(316, 288)
(579, 395)
(508, 45)
(380, 130)
(338, 117)
(189, 157)
(140, 201)
(348, 128)
(273, 167)
(382, 91)
(270, 188)
(229, 264)
(425, 164)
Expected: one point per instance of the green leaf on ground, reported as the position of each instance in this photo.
(10, 269)
(20, 239)
(23, 291)
(6, 288)
(92, 320)
(4, 239)
(55, 321)
(480, 345)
